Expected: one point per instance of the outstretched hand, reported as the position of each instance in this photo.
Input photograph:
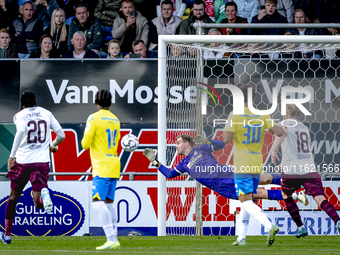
(200, 140)
(149, 153)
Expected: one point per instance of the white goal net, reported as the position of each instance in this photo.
(196, 75)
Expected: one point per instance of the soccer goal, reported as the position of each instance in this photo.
(195, 79)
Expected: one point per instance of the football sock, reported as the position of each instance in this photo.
(330, 210)
(244, 217)
(112, 210)
(274, 195)
(276, 179)
(294, 196)
(105, 218)
(39, 201)
(10, 209)
(257, 213)
(8, 227)
(293, 210)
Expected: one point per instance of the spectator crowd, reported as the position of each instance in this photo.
(130, 28)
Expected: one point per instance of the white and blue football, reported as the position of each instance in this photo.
(129, 142)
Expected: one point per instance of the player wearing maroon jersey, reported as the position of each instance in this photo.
(297, 162)
(29, 158)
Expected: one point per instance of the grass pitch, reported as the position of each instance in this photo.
(284, 245)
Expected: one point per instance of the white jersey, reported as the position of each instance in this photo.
(37, 123)
(297, 157)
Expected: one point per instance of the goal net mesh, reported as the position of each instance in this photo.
(193, 108)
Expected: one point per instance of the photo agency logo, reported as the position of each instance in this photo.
(238, 99)
(211, 95)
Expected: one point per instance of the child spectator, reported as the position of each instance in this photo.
(114, 49)
(7, 48)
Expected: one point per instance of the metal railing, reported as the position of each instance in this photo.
(267, 25)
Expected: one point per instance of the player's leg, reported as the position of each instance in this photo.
(110, 206)
(246, 185)
(14, 196)
(291, 183)
(266, 179)
(19, 177)
(38, 178)
(314, 187)
(100, 189)
(244, 224)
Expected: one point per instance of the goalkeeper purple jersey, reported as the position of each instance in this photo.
(202, 166)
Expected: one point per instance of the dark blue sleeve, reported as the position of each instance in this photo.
(217, 144)
(168, 173)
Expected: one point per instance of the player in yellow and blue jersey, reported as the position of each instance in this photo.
(248, 131)
(102, 134)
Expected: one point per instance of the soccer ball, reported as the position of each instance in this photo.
(129, 142)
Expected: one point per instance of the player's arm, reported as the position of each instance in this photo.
(88, 133)
(168, 173)
(276, 146)
(19, 135)
(216, 144)
(228, 136)
(276, 130)
(60, 137)
(86, 141)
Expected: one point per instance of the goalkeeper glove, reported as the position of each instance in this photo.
(200, 140)
(151, 156)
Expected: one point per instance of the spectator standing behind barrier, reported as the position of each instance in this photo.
(46, 49)
(89, 25)
(28, 30)
(129, 26)
(106, 11)
(44, 10)
(328, 12)
(140, 51)
(113, 49)
(79, 47)
(9, 11)
(220, 50)
(284, 8)
(300, 18)
(166, 24)
(231, 13)
(268, 15)
(198, 14)
(247, 8)
(7, 48)
(58, 30)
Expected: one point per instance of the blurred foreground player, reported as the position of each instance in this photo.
(248, 160)
(101, 135)
(29, 158)
(297, 156)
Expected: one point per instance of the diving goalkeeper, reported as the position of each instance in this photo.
(200, 164)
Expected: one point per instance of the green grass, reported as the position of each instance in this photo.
(284, 245)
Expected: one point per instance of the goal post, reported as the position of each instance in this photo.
(188, 70)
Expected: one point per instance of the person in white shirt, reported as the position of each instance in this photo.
(220, 51)
(30, 157)
(298, 168)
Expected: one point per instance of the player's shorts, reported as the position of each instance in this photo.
(311, 182)
(226, 188)
(36, 173)
(246, 183)
(103, 188)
